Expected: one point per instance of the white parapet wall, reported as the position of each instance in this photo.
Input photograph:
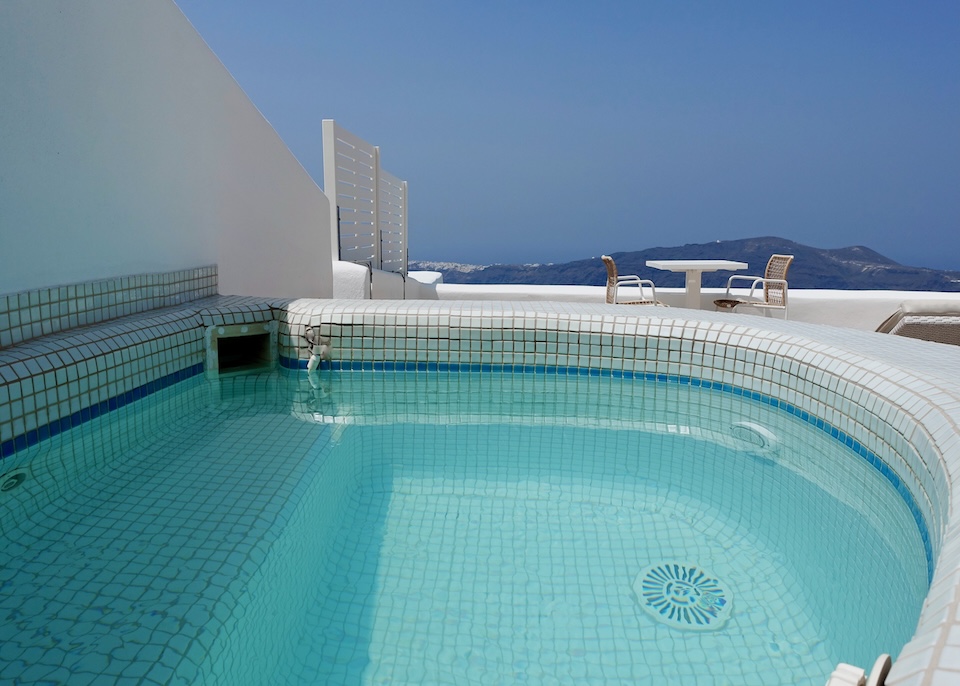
(422, 285)
(350, 281)
(387, 286)
(353, 281)
(126, 147)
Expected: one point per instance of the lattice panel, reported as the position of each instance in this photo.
(392, 194)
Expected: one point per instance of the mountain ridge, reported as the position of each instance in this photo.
(851, 268)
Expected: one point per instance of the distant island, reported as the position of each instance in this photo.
(853, 268)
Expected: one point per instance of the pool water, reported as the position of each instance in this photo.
(439, 528)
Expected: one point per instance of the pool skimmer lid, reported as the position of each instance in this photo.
(683, 596)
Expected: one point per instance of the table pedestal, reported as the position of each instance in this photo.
(692, 295)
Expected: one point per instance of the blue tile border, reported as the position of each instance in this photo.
(853, 444)
(58, 426)
(294, 363)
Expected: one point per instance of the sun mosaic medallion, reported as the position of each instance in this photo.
(683, 596)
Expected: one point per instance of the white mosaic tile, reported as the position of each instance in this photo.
(28, 315)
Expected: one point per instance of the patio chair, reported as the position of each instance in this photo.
(774, 282)
(927, 320)
(615, 281)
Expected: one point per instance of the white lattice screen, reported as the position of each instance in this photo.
(370, 204)
(392, 208)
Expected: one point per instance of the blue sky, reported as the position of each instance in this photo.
(553, 131)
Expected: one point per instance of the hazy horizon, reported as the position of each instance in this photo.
(535, 132)
(419, 259)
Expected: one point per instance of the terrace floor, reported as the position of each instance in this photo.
(862, 310)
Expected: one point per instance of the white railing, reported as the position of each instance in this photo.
(368, 204)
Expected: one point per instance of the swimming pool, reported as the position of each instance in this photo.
(892, 402)
(455, 527)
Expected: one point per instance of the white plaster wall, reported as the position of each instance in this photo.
(422, 285)
(126, 147)
(386, 285)
(351, 281)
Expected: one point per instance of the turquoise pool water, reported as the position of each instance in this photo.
(444, 528)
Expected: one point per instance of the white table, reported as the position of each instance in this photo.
(693, 269)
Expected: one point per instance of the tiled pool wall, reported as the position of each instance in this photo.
(901, 422)
(824, 387)
(243, 654)
(44, 311)
(65, 380)
(62, 380)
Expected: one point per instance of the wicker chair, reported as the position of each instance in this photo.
(927, 320)
(615, 281)
(774, 282)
